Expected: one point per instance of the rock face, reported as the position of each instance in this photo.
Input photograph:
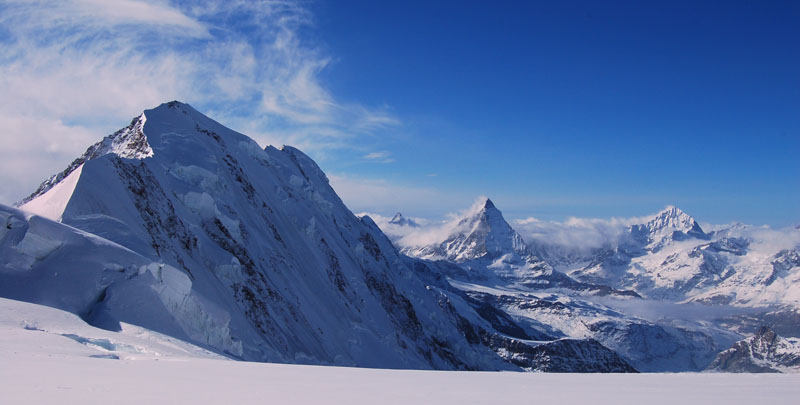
(565, 356)
(764, 352)
(183, 226)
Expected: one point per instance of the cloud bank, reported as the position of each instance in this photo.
(72, 71)
(581, 234)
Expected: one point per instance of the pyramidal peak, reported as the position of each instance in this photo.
(670, 224)
(399, 220)
(671, 217)
(481, 230)
(481, 210)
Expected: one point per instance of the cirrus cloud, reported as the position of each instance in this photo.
(72, 71)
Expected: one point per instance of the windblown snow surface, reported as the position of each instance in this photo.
(52, 356)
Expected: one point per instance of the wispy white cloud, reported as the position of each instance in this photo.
(44, 16)
(376, 155)
(380, 157)
(379, 195)
(72, 71)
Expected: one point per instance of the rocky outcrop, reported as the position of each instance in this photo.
(764, 352)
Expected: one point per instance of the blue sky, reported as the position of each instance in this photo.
(553, 109)
(588, 108)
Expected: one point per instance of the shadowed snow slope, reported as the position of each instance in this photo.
(49, 356)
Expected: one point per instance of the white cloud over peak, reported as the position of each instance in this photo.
(72, 71)
(578, 233)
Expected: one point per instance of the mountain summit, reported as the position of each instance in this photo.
(671, 224)
(481, 232)
(248, 250)
(399, 220)
(182, 226)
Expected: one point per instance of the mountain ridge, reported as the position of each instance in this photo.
(249, 252)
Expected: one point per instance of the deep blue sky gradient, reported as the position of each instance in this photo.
(580, 108)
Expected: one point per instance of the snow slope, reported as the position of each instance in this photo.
(257, 255)
(41, 365)
(38, 331)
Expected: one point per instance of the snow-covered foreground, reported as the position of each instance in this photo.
(30, 378)
(50, 356)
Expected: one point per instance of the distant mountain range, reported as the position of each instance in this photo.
(701, 289)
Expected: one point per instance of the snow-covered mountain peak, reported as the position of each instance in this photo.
(672, 218)
(483, 213)
(129, 143)
(399, 220)
(671, 224)
(481, 206)
(480, 231)
(484, 231)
